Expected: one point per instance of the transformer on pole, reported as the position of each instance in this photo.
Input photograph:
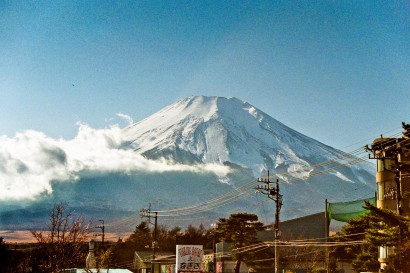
(272, 191)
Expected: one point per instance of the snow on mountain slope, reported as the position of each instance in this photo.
(209, 130)
(216, 129)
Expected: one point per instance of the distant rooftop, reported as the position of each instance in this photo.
(94, 270)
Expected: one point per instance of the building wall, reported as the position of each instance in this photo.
(393, 168)
(390, 153)
(307, 227)
(229, 267)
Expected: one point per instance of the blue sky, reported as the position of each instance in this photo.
(337, 71)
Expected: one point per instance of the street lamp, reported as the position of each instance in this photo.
(102, 227)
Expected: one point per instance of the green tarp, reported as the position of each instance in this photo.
(345, 211)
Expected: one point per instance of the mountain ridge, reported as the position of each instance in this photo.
(230, 131)
(211, 130)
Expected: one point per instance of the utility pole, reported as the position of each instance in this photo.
(155, 243)
(390, 150)
(273, 193)
(102, 227)
(213, 227)
(147, 213)
(393, 166)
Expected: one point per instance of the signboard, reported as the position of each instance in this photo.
(189, 258)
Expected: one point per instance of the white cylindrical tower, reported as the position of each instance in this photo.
(90, 260)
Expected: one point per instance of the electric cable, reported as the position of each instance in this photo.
(245, 189)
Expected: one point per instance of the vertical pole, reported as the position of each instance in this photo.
(397, 179)
(147, 213)
(277, 227)
(327, 257)
(273, 194)
(214, 226)
(276, 254)
(154, 243)
(214, 252)
(398, 184)
(102, 227)
(222, 257)
(326, 220)
(103, 233)
(277, 207)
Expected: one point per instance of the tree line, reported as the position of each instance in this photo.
(64, 244)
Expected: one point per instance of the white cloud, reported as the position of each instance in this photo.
(30, 161)
(127, 118)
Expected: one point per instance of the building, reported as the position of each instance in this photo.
(313, 226)
(307, 227)
(163, 262)
(392, 178)
(224, 261)
(94, 270)
(90, 264)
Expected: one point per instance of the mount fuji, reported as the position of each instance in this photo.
(234, 133)
(220, 130)
(217, 132)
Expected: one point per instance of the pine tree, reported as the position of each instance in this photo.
(391, 230)
(141, 238)
(240, 230)
(364, 257)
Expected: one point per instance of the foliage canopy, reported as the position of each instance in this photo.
(240, 230)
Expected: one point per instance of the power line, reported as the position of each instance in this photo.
(274, 194)
(246, 189)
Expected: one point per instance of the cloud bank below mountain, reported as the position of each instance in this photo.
(30, 162)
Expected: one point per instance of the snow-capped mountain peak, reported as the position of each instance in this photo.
(225, 131)
(216, 129)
